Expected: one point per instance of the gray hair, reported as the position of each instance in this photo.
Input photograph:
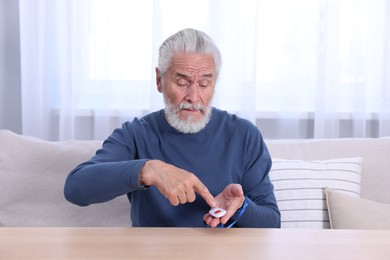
(188, 41)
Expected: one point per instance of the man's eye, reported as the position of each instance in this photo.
(204, 83)
(182, 82)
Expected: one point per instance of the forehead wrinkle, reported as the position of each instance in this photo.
(183, 75)
(186, 67)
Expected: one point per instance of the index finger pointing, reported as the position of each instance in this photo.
(205, 194)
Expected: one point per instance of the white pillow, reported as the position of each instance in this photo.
(346, 212)
(299, 188)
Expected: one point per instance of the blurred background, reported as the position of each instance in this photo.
(77, 69)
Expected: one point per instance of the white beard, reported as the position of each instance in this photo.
(187, 125)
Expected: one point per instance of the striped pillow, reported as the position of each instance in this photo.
(299, 188)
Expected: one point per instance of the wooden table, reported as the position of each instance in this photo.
(192, 243)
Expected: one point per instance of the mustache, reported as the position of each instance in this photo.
(185, 105)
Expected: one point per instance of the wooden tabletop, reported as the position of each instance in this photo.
(192, 243)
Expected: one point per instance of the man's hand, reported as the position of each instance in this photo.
(231, 199)
(177, 185)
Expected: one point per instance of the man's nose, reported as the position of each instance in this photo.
(193, 93)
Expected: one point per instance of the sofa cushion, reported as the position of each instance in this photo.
(32, 177)
(347, 212)
(299, 188)
(375, 166)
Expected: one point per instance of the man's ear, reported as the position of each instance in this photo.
(158, 80)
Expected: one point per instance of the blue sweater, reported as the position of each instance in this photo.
(228, 150)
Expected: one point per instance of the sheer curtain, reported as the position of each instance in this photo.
(297, 69)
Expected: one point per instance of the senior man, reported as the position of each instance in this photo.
(177, 163)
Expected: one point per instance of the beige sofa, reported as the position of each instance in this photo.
(33, 171)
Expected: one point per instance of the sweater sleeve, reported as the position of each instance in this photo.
(112, 172)
(262, 210)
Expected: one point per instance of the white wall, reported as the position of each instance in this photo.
(10, 76)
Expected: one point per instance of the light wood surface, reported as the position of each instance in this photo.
(192, 243)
